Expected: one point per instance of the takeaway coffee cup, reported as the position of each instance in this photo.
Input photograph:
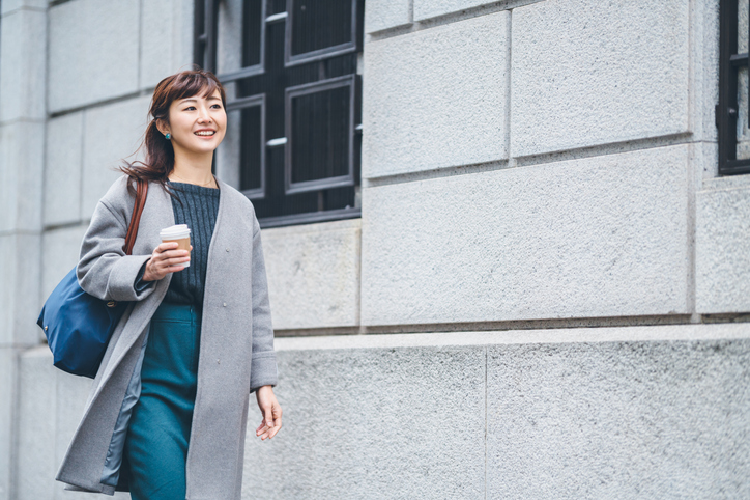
(179, 234)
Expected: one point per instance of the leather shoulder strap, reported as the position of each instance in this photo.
(140, 201)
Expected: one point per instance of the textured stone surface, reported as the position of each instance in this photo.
(425, 9)
(165, 49)
(21, 172)
(602, 236)
(676, 332)
(722, 248)
(390, 423)
(36, 447)
(436, 98)
(62, 196)
(521, 417)
(384, 14)
(93, 52)
(619, 420)
(61, 251)
(112, 133)
(23, 43)
(19, 293)
(313, 274)
(588, 72)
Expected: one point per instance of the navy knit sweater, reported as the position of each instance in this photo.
(197, 207)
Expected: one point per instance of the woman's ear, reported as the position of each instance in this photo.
(162, 126)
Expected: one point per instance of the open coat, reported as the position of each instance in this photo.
(236, 345)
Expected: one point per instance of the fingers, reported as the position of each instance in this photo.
(271, 424)
(167, 255)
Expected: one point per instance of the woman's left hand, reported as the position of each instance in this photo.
(270, 411)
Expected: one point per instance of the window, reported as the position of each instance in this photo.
(290, 67)
(732, 111)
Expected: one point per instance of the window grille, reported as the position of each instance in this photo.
(734, 94)
(290, 67)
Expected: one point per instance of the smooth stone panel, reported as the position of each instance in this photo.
(600, 236)
(62, 248)
(7, 394)
(93, 52)
(62, 203)
(23, 64)
(11, 5)
(426, 9)
(72, 393)
(19, 288)
(722, 247)
(624, 420)
(229, 39)
(587, 72)
(313, 274)
(384, 14)
(36, 448)
(373, 423)
(21, 174)
(436, 98)
(165, 49)
(113, 133)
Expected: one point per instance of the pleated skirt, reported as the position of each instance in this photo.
(159, 431)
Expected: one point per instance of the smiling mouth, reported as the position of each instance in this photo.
(206, 133)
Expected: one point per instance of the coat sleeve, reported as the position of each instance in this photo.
(264, 369)
(104, 270)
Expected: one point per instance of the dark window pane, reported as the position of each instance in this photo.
(320, 24)
(276, 6)
(320, 134)
(252, 22)
(250, 159)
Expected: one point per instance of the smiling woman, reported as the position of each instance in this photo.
(196, 340)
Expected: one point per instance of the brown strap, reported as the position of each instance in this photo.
(140, 202)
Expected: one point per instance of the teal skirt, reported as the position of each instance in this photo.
(159, 430)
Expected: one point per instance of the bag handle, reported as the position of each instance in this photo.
(140, 202)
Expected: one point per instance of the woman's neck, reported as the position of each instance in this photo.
(193, 170)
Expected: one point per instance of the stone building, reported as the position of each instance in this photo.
(522, 271)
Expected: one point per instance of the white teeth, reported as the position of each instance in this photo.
(205, 133)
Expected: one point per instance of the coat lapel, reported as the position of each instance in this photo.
(157, 214)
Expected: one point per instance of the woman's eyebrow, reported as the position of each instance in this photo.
(188, 100)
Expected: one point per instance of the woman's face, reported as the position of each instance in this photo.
(197, 124)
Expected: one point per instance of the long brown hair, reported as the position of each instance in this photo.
(159, 158)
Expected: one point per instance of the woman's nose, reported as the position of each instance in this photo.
(204, 117)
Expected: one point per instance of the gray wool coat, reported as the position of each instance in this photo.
(236, 345)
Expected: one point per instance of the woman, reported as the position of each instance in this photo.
(167, 414)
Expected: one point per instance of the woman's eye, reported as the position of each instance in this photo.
(216, 106)
(189, 108)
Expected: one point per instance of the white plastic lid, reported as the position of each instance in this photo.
(176, 232)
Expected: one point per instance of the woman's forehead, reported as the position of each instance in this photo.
(202, 96)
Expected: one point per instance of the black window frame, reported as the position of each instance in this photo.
(727, 111)
(206, 56)
(346, 180)
(257, 100)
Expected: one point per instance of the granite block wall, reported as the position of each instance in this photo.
(524, 160)
(633, 412)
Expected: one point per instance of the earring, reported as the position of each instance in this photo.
(168, 136)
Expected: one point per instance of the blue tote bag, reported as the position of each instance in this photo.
(78, 326)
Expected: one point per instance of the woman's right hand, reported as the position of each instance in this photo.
(163, 261)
